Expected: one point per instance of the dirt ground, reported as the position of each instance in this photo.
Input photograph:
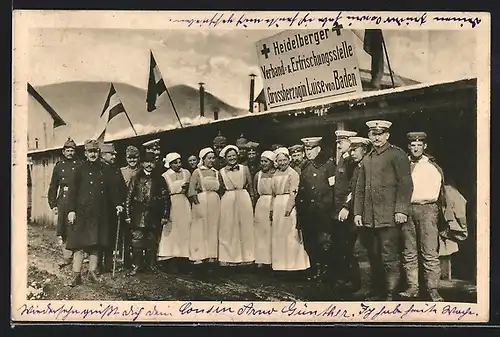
(44, 256)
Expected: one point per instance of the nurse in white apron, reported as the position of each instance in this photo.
(288, 253)
(236, 231)
(203, 194)
(174, 242)
(263, 185)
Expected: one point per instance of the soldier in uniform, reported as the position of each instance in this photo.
(297, 154)
(241, 144)
(359, 146)
(421, 233)
(132, 158)
(153, 146)
(58, 195)
(341, 189)
(90, 193)
(315, 209)
(253, 158)
(147, 209)
(108, 157)
(220, 142)
(381, 205)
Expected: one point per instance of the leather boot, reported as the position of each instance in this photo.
(77, 279)
(93, 277)
(434, 295)
(411, 292)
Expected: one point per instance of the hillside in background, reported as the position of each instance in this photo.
(80, 105)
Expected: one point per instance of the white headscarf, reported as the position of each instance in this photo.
(282, 150)
(269, 155)
(170, 158)
(203, 154)
(227, 148)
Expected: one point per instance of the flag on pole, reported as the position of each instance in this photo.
(112, 107)
(373, 45)
(57, 120)
(156, 86)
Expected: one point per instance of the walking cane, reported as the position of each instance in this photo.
(116, 244)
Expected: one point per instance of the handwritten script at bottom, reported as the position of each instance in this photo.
(220, 310)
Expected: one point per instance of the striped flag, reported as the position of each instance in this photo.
(373, 45)
(156, 86)
(57, 120)
(112, 107)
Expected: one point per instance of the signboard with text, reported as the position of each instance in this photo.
(300, 66)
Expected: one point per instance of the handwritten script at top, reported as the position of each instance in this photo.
(193, 310)
(256, 20)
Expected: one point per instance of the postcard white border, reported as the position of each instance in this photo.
(76, 310)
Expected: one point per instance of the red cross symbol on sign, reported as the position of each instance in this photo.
(265, 51)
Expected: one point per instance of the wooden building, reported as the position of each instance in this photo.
(446, 111)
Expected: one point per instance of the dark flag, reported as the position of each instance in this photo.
(373, 45)
(112, 107)
(57, 120)
(156, 85)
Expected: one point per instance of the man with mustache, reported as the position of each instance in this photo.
(381, 206)
(58, 195)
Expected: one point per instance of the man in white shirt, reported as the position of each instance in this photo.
(421, 232)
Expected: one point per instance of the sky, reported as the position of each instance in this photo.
(222, 59)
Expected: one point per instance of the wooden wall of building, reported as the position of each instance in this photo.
(41, 172)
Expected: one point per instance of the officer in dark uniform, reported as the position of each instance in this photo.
(382, 204)
(147, 208)
(153, 146)
(298, 159)
(58, 195)
(220, 142)
(341, 189)
(315, 208)
(90, 194)
(108, 157)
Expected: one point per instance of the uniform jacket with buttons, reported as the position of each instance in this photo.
(315, 198)
(91, 191)
(384, 186)
(58, 191)
(61, 176)
(343, 174)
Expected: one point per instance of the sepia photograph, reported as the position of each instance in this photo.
(330, 163)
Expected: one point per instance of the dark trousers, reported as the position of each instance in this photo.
(382, 245)
(345, 262)
(318, 246)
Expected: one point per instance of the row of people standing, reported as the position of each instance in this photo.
(223, 225)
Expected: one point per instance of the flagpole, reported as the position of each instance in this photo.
(173, 106)
(132, 125)
(168, 92)
(387, 57)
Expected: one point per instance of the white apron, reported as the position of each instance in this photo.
(203, 242)
(174, 241)
(262, 220)
(236, 231)
(288, 251)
